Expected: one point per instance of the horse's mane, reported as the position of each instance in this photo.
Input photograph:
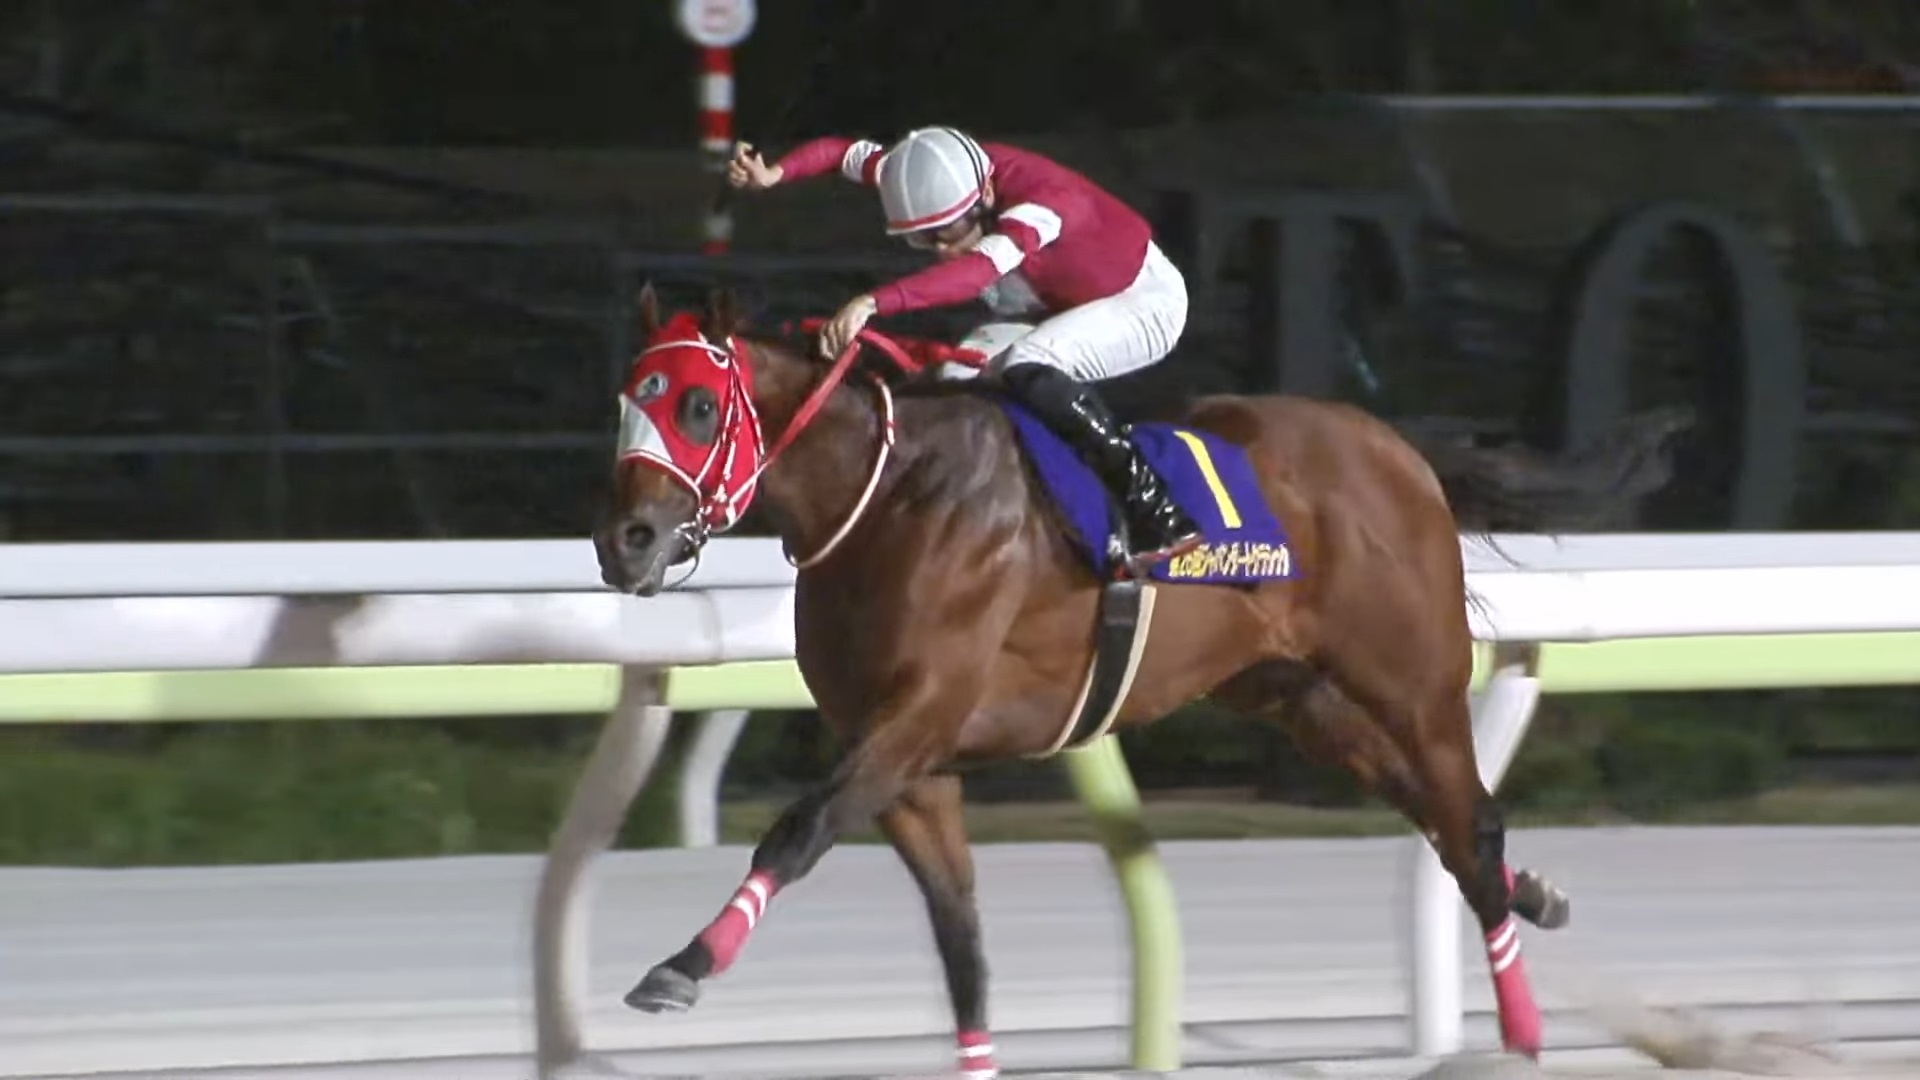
(940, 472)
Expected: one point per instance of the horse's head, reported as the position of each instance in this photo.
(690, 450)
(693, 450)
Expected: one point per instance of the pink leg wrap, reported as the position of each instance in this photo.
(1520, 1024)
(976, 1056)
(727, 934)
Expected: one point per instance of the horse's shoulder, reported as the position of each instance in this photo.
(958, 444)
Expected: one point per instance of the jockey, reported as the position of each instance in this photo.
(1028, 236)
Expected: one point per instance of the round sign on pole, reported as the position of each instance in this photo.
(716, 24)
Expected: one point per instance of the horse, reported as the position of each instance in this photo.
(943, 605)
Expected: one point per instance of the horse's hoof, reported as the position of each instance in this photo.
(1540, 901)
(664, 990)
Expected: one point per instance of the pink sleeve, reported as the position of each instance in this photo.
(1023, 230)
(856, 159)
(937, 286)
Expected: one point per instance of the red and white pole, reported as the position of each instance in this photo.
(716, 26)
(716, 136)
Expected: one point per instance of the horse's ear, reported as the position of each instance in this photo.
(723, 316)
(648, 305)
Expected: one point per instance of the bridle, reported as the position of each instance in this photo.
(720, 503)
(717, 504)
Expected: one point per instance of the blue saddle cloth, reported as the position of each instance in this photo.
(1209, 477)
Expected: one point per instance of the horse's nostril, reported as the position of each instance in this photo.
(637, 536)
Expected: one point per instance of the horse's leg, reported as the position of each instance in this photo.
(1334, 730)
(927, 826)
(1432, 722)
(878, 771)
(1436, 786)
(1470, 836)
(1329, 728)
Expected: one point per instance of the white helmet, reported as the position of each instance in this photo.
(931, 177)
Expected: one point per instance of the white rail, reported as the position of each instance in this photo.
(90, 607)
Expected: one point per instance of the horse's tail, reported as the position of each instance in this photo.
(1516, 489)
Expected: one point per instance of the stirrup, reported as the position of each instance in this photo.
(1173, 549)
(1138, 562)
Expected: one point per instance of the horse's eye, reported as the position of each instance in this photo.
(698, 414)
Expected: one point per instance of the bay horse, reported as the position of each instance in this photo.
(944, 617)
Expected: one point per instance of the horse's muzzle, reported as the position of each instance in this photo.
(635, 554)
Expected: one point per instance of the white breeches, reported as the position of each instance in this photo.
(1101, 339)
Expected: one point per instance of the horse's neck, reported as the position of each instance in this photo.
(945, 438)
(956, 450)
(816, 481)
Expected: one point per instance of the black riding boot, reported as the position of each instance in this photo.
(1156, 526)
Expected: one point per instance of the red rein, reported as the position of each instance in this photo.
(913, 357)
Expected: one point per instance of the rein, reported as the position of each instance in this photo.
(817, 400)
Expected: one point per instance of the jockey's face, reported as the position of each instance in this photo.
(957, 237)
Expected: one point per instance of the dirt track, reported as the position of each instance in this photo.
(1478, 1067)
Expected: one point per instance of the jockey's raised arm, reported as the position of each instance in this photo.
(857, 160)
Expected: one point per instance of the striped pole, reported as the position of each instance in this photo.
(716, 136)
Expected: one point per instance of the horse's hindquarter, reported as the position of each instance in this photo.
(1369, 524)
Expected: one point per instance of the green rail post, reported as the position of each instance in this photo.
(1100, 777)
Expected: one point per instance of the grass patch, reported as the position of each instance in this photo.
(273, 792)
(249, 793)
